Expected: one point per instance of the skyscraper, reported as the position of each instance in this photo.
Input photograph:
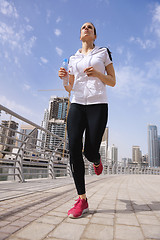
(136, 154)
(159, 149)
(113, 154)
(153, 158)
(8, 132)
(57, 121)
(42, 134)
(104, 146)
(105, 136)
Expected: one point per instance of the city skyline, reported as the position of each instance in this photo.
(36, 37)
(57, 114)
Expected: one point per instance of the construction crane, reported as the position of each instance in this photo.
(45, 90)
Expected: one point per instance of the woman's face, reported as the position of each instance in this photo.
(87, 32)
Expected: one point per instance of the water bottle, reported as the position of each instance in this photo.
(65, 65)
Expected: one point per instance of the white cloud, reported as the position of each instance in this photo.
(29, 28)
(26, 19)
(16, 60)
(153, 69)
(155, 26)
(143, 44)
(59, 19)
(105, 1)
(156, 15)
(156, 103)
(44, 60)
(128, 57)
(18, 108)
(26, 87)
(8, 9)
(137, 85)
(16, 39)
(48, 16)
(28, 45)
(15, 36)
(130, 81)
(57, 32)
(6, 56)
(120, 50)
(126, 54)
(8, 35)
(59, 51)
(152, 105)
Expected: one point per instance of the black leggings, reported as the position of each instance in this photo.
(92, 119)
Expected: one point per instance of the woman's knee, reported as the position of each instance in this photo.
(92, 155)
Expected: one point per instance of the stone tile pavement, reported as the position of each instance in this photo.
(122, 207)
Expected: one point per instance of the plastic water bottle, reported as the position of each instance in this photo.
(65, 65)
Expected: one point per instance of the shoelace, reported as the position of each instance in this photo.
(77, 201)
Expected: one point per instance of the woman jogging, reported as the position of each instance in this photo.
(90, 70)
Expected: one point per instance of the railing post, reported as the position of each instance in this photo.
(90, 169)
(69, 169)
(51, 166)
(19, 166)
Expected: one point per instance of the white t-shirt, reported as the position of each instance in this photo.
(89, 90)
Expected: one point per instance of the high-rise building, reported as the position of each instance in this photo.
(58, 108)
(153, 153)
(126, 161)
(103, 151)
(136, 154)
(104, 146)
(145, 159)
(8, 132)
(159, 149)
(57, 122)
(105, 136)
(42, 134)
(113, 155)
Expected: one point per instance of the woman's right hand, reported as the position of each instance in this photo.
(62, 72)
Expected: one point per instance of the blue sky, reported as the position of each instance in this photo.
(36, 35)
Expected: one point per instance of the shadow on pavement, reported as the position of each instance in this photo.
(131, 206)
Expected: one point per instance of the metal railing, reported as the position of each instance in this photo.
(29, 155)
(26, 155)
(109, 169)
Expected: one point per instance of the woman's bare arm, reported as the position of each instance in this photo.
(108, 79)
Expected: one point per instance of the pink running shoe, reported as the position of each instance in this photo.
(98, 170)
(80, 207)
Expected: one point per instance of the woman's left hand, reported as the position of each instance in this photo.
(91, 72)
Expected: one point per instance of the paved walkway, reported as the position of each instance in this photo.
(121, 207)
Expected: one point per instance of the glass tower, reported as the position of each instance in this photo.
(153, 153)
